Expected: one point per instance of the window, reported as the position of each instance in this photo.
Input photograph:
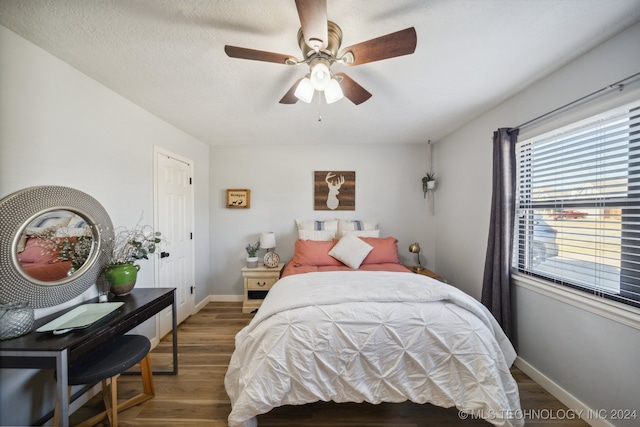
(578, 205)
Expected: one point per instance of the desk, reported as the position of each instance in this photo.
(44, 350)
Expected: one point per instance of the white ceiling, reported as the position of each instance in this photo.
(168, 57)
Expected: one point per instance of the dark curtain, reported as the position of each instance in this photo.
(496, 283)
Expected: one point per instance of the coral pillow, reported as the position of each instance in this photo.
(38, 251)
(314, 253)
(385, 250)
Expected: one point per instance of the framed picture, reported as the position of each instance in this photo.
(334, 190)
(239, 198)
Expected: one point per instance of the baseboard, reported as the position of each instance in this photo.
(590, 416)
(226, 298)
(217, 298)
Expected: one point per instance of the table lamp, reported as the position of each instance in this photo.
(414, 248)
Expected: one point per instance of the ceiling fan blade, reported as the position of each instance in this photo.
(352, 90)
(290, 97)
(400, 43)
(313, 19)
(258, 55)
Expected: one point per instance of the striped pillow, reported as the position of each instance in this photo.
(366, 228)
(317, 230)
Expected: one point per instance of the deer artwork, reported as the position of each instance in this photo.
(334, 186)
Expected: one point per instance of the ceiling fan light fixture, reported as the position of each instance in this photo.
(320, 75)
(333, 92)
(304, 92)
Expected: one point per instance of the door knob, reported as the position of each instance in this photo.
(164, 254)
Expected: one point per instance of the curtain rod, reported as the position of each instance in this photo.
(617, 85)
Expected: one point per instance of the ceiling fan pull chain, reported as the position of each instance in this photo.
(319, 107)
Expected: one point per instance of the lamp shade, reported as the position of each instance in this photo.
(304, 92)
(333, 92)
(320, 76)
(268, 240)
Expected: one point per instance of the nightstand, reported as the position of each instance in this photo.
(257, 282)
(427, 272)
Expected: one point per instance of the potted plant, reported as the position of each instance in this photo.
(428, 183)
(252, 259)
(128, 246)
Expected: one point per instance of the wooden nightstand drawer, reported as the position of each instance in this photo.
(255, 283)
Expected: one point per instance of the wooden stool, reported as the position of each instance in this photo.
(109, 361)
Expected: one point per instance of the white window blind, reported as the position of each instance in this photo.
(578, 205)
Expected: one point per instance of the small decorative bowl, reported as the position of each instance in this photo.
(16, 319)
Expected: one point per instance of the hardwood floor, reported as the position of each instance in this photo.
(196, 396)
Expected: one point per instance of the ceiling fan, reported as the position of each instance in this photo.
(319, 40)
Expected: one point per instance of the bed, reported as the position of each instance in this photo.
(375, 333)
(51, 243)
(40, 260)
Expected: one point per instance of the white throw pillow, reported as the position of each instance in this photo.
(351, 251)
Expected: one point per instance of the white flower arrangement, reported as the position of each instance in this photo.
(132, 244)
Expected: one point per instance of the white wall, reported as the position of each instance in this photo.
(590, 358)
(59, 127)
(388, 188)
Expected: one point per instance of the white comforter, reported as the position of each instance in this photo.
(371, 336)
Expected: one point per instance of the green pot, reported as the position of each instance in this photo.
(121, 278)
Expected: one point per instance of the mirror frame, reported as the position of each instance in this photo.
(17, 210)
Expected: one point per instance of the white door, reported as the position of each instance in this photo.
(174, 207)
